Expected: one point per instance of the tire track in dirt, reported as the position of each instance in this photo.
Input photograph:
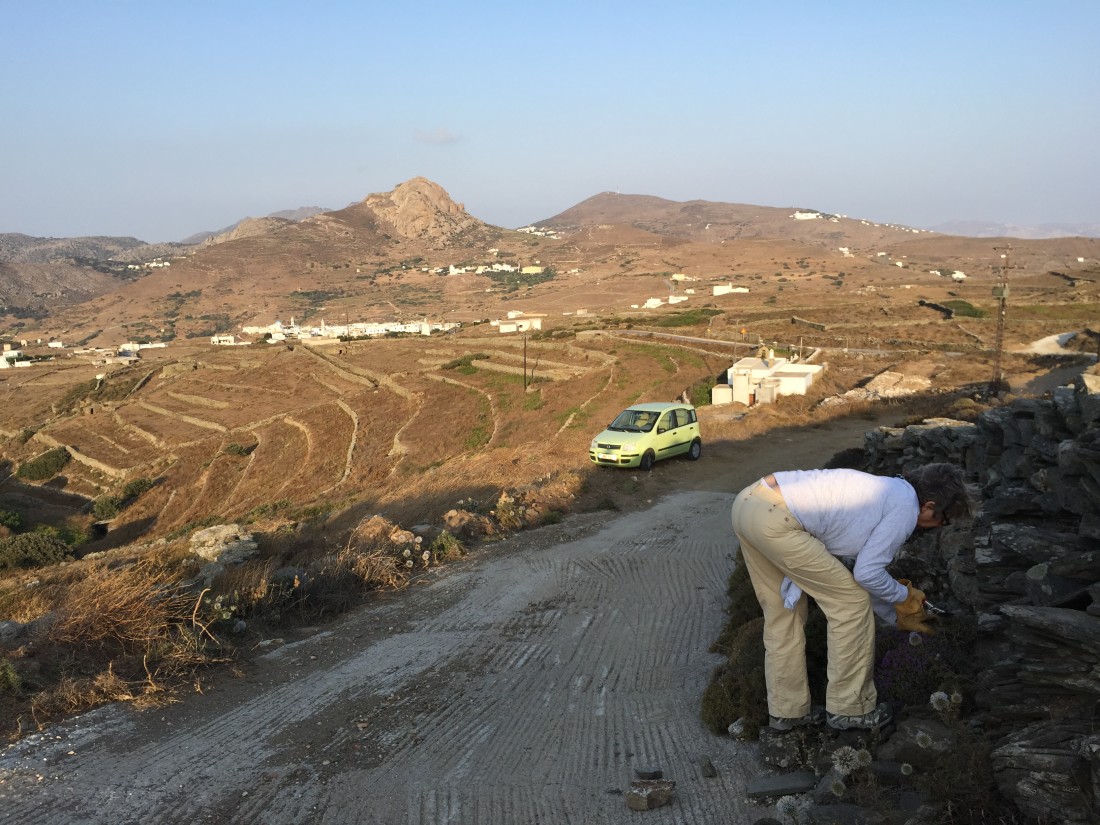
(522, 686)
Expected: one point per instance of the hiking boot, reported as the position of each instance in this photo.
(872, 720)
(785, 723)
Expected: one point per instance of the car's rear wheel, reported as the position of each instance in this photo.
(647, 461)
(695, 450)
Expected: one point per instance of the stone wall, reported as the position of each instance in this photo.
(1028, 569)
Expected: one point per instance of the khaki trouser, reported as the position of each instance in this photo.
(774, 545)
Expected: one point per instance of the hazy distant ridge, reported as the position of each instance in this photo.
(986, 229)
(299, 214)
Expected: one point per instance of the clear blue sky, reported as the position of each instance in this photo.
(160, 119)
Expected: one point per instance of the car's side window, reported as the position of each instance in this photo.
(683, 418)
(666, 423)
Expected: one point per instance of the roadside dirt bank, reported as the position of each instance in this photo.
(524, 684)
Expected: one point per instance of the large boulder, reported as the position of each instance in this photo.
(224, 544)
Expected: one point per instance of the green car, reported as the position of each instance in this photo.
(645, 433)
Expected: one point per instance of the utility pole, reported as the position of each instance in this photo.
(1000, 292)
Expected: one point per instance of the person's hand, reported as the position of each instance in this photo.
(910, 613)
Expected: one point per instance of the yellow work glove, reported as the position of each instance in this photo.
(911, 615)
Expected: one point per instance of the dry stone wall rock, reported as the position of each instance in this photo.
(1028, 569)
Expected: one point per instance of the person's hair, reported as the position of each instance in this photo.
(943, 484)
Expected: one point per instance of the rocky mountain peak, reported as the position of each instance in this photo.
(422, 210)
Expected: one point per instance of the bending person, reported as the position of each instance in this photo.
(794, 528)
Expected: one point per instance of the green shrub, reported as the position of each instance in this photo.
(106, 507)
(44, 466)
(31, 550)
(699, 392)
(10, 681)
(237, 449)
(446, 546)
(964, 308)
(135, 488)
(465, 361)
(10, 519)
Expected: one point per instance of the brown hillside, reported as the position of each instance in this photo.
(375, 261)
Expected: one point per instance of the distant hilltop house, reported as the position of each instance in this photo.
(814, 215)
(726, 289)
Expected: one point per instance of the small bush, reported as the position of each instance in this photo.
(699, 392)
(10, 519)
(465, 361)
(11, 682)
(44, 466)
(30, 550)
(106, 508)
(135, 488)
(237, 449)
(446, 546)
(964, 308)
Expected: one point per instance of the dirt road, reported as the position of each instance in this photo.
(524, 684)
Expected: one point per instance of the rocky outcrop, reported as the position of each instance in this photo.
(422, 210)
(1028, 570)
(223, 544)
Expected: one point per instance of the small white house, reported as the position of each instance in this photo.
(726, 289)
(762, 380)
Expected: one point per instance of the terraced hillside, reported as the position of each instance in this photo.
(406, 426)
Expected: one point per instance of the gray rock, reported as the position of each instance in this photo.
(1072, 626)
(645, 795)
(1047, 589)
(224, 543)
(782, 784)
(12, 632)
(649, 773)
(706, 768)
(1041, 768)
(920, 742)
(825, 793)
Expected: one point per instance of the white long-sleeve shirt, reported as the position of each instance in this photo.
(856, 516)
